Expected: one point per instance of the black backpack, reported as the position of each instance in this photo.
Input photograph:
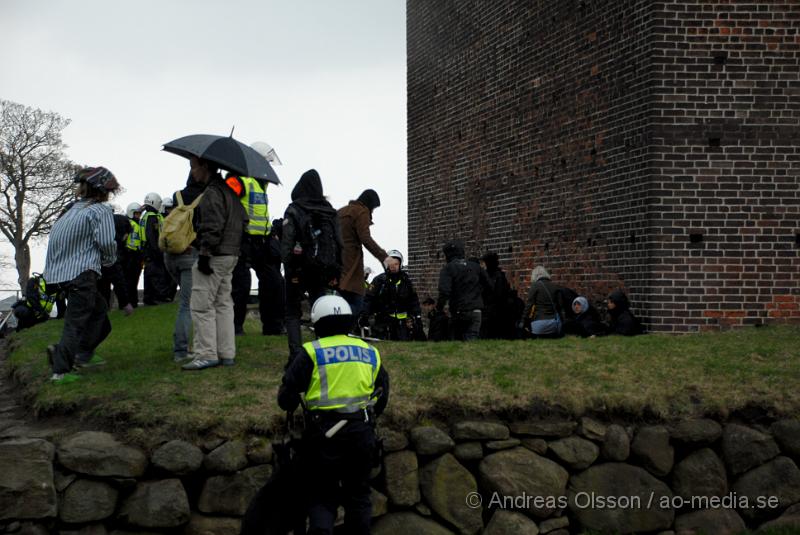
(319, 237)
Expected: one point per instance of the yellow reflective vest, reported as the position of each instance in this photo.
(256, 205)
(134, 241)
(344, 374)
(143, 224)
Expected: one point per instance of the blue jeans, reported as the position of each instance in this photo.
(180, 268)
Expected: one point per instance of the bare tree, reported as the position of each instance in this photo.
(35, 177)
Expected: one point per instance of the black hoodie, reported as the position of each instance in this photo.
(622, 321)
(307, 197)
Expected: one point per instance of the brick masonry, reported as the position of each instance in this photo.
(653, 146)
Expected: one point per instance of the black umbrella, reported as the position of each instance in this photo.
(228, 153)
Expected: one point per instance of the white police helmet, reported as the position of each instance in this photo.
(154, 200)
(329, 305)
(394, 253)
(132, 209)
(166, 204)
(267, 152)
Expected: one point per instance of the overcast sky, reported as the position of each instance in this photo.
(322, 82)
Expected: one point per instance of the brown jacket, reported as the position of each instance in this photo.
(354, 221)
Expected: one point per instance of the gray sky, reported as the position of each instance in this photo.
(322, 82)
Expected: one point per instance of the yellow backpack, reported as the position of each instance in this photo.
(178, 233)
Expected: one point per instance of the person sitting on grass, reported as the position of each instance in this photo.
(587, 322)
(81, 242)
(622, 321)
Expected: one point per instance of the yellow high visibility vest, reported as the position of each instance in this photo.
(143, 224)
(256, 204)
(344, 374)
(134, 241)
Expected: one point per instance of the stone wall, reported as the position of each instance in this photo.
(652, 145)
(491, 477)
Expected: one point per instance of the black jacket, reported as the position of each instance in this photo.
(151, 232)
(622, 321)
(392, 293)
(297, 377)
(461, 282)
(586, 325)
(190, 192)
(219, 220)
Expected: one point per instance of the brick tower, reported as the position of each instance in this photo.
(649, 145)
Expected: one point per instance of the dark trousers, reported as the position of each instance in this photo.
(86, 322)
(338, 471)
(158, 285)
(132, 266)
(466, 325)
(297, 285)
(114, 275)
(271, 292)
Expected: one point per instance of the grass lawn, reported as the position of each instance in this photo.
(142, 391)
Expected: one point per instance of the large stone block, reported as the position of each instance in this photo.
(716, 521)
(787, 435)
(99, 454)
(227, 458)
(407, 523)
(577, 453)
(510, 523)
(744, 448)
(87, 501)
(701, 431)
(543, 428)
(616, 444)
(618, 497)
(429, 440)
(157, 504)
(178, 457)
(445, 485)
(700, 474)
(477, 430)
(27, 488)
(230, 494)
(651, 446)
(779, 478)
(402, 478)
(519, 472)
(212, 525)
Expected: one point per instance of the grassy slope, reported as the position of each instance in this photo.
(657, 375)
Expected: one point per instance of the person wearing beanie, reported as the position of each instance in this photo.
(311, 251)
(354, 221)
(81, 243)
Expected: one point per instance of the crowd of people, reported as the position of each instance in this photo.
(312, 251)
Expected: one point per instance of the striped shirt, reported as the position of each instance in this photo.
(82, 239)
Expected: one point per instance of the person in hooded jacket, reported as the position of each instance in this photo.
(461, 285)
(219, 220)
(394, 302)
(499, 321)
(586, 322)
(275, 296)
(180, 266)
(622, 321)
(305, 273)
(354, 221)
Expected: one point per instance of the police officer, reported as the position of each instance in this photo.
(156, 279)
(254, 254)
(393, 300)
(131, 255)
(345, 388)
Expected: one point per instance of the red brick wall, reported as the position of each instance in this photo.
(576, 135)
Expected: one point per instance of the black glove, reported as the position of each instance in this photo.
(203, 265)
